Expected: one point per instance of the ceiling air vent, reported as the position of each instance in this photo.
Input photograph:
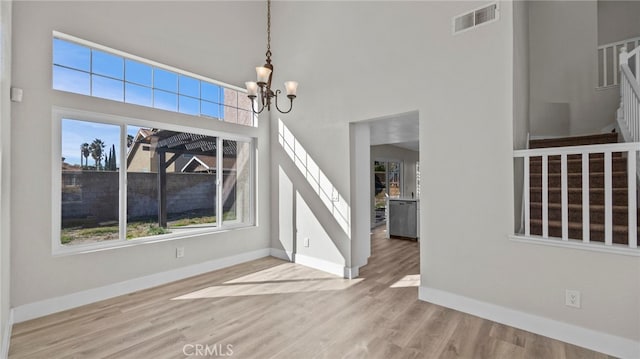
(475, 18)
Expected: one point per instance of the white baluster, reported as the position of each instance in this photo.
(608, 203)
(637, 67)
(565, 198)
(545, 197)
(604, 64)
(616, 73)
(585, 197)
(631, 199)
(527, 204)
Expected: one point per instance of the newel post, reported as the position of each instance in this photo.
(623, 55)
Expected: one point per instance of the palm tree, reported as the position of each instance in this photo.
(84, 152)
(96, 148)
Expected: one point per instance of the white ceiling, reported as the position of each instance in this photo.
(400, 130)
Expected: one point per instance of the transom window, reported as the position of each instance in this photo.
(118, 181)
(90, 69)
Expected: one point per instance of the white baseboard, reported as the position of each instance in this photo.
(609, 128)
(282, 254)
(6, 337)
(53, 305)
(351, 272)
(320, 264)
(587, 338)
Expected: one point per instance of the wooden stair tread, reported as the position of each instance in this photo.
(578, 225)
(579, 189)
(576, 206)
(594, 139)
(577, 158)
(576, 174)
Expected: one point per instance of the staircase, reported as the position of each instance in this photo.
(574, 189)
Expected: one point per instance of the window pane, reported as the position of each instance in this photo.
(138, 73)
(230, 98)
(211, 92)
(138, 95)
(189, 105)
(72, 55)
(188, 183)
(107, 88)
(393, 173)
(189, 86)
(230, 114)
(71, 80)
(164, 100)
(90, 182)
(236, 185)
(244, 102)
(245, 118)
(165, 80)
(107, 64)
(211, 109)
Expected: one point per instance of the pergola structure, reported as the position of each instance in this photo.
(170, 146)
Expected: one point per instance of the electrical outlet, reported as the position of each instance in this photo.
(179, 252)
(572, 298)
(306, 241)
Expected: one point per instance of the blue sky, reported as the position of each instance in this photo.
(80, 69)
(75, 133)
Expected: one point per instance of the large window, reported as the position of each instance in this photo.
(94, 70)
(121, 181)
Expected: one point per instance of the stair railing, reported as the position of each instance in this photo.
(608, 74)
(629, 112)
(630, 149)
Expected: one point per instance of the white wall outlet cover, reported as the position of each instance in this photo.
(16, 94)
(572, 298)
(179, 252)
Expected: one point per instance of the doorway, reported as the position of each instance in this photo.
(395, 139)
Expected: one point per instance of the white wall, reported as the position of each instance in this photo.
(618, 20)
(208, 38)
(520, 96)
(563, 37)
(466, 143)
(5, 161)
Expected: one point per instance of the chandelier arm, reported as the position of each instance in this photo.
(290, 104)
(253, 107)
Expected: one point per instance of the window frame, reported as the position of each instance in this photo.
(91, 46)
(60, 113)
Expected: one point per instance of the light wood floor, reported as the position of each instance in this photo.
(269, 308)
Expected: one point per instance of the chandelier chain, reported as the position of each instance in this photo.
(268, 28)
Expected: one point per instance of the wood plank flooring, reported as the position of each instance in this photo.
(270, 308)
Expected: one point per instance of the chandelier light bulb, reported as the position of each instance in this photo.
(291, 87)
(263, 74)
(252, 88)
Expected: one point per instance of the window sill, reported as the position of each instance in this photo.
(576, 244)
(65, 250)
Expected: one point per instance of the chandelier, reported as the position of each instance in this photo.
(263, 85)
